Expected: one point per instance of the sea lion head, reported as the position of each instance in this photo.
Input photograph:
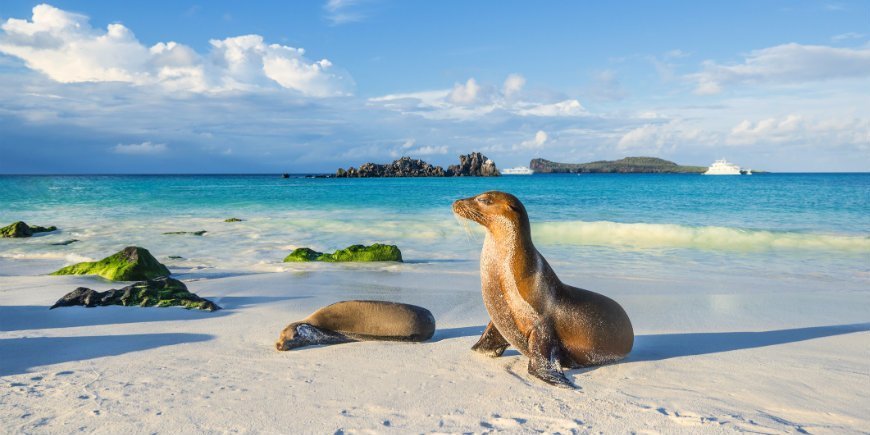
(295, 335)
(494, 210)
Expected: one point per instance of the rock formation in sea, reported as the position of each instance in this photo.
(130, 264)
(21, 229)
(375, 252)
(470, 165)
(473, 165)
(636, 165)
(159, 292)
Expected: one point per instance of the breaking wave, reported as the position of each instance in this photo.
(642, 235)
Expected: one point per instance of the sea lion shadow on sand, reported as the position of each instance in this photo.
(657, 347)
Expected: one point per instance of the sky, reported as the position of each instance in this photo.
(306, 87)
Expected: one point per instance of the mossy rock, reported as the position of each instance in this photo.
(158, 292)
(131, 264)
(376, 252)
(303, 254)
(183, 233)
(21, 229)
(232, 220)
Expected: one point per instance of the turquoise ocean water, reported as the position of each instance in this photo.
(795, 228)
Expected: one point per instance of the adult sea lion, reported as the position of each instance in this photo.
(347, 321)
(553, 324)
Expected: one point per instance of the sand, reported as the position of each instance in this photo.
(714, 357)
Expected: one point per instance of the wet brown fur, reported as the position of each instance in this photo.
(552, 323)
(361, 320)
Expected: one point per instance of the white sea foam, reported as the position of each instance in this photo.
(642, 235)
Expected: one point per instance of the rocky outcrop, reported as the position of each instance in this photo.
(158, 292)
(473, 165)
(21, 229)
(470, 165)
(404, 167)
(186, 233)
(232, 219)
(628, 165)
(131, 264)
(376, 252)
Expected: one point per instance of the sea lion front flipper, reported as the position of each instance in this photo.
(544, 355)
(491, 343)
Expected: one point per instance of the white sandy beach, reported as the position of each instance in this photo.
(720, 357)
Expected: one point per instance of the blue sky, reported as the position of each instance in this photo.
(155, 87)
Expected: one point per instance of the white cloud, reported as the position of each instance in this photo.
(798, 129)
(536, 142)
(465, 93)
(846, 36)
(407, 149)
(64, 46)
(341, 11)
(144, 148)
(513, 84)
(428, 150)
(788, 63)
(655, 138)
(565, 108)
(471, 100)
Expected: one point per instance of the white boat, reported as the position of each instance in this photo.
(722, 167)
(519, 170)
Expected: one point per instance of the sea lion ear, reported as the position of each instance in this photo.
(514, 207)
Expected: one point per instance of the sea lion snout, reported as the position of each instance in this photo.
(492, 206)
(289, 339)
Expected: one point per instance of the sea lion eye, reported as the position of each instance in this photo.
(484, 200)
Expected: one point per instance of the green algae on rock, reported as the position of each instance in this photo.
(181, 233)
(232, 220)
(376, 252)
(131, 264)
(303, 254)
(159, 292)
(21, 229)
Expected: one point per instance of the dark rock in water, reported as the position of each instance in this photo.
(192, 233)
(474, 164)
(232, 220)
(21, 229)
(66, 242)
(175, 257)
(376, 252)
(131, 264)
(403, 167)
(158, 292)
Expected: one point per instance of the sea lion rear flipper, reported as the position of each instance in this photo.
(544, 356)
(491, 343)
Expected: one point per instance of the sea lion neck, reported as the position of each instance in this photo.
(511, 234)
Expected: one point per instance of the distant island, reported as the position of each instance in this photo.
(470, 165)
(628, 165)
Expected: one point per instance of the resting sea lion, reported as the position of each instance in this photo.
(552, 323)
(347, 321)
